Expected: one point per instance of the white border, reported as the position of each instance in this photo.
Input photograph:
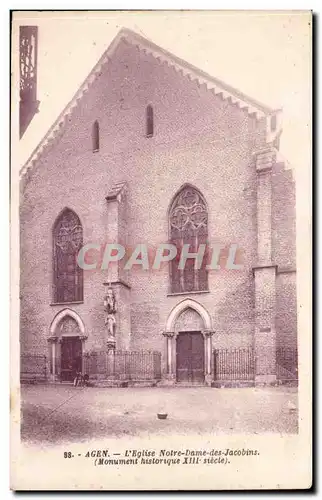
(4, 171)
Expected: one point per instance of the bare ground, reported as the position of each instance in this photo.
(60, 413)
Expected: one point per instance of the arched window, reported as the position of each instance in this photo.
(96, 136)
(188, 222)
(149, 121)
(67, 240)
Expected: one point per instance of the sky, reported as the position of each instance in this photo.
(266, 55)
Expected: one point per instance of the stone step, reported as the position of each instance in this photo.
(123, 383)
(220, 384)
(32, 379)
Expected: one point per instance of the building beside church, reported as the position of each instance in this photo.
(152, 150)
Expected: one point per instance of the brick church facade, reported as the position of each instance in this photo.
(152, 150)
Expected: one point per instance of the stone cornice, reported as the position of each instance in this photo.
(265, 159)
(52, 338)
(260, 267)
(285, 270)
(168, 334)
(117, 282)
(117, 192)
(207, 333)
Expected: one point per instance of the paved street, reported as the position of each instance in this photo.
(61, 413)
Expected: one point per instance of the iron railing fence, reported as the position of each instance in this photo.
(234, 364)
(240, 364)
(229, 364)
(123, 365)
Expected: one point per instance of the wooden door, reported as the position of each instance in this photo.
(71, 358)
(190, 357)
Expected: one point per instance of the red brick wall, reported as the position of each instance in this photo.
(284, 241)
(199, 138)
(286, 314)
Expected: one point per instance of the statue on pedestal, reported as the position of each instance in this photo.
(110, 310)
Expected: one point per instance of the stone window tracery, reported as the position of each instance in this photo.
(68, 276)
(188, 221)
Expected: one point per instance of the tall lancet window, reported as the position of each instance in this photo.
(67, 240)
(149, 121)
(96, 136)
(188, 222)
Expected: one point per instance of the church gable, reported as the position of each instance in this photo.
(133, 74)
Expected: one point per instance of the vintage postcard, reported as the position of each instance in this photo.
(161, 248)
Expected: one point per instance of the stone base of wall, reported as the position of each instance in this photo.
(221, 384)
(259, 381)
(170, 381)
(262, 380)
(123, 383)
(34, 380)
(167, 380)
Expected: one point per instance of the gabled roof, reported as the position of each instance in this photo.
(184, 68)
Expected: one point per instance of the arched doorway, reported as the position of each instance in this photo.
(66, 346)
(188, 350)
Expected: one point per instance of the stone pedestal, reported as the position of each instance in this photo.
(111, 344)
(110, 358)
